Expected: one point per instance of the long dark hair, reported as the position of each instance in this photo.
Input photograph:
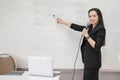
(100, 18)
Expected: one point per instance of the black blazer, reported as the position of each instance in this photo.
(91, 57)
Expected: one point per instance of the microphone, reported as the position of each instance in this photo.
(87, 25)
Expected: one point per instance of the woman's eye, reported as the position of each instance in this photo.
(89, 16)
(94, 15)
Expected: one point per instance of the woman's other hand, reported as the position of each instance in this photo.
(85, 32)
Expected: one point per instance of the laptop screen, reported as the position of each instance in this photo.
(41, 66)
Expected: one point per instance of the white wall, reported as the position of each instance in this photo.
(28, 28)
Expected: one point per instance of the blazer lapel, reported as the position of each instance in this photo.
(95, 29)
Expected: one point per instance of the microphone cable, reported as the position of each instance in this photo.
(76, 57)
(87, 27)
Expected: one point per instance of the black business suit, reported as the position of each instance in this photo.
(91, 57)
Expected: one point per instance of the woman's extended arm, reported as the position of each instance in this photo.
(60, 21)
(71, 25)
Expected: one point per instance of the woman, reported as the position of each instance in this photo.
(94, 39)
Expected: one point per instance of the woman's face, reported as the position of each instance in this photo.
(93, 17)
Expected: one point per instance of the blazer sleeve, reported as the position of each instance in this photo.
(100, 37)
(77, 27)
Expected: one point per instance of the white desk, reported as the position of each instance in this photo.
(26, 77)
(7, 77)
(13, 77)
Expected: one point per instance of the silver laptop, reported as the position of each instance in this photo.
(41, 66)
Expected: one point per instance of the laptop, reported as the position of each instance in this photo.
(41, 66)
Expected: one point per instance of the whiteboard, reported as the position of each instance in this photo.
(27, 27)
